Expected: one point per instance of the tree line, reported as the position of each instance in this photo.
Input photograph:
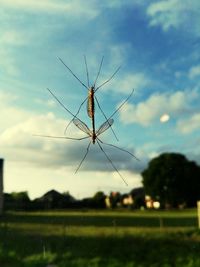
(55, 200)
(170, 179)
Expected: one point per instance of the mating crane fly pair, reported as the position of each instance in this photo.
(92, 134)
(91, 98)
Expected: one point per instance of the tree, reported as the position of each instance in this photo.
(98, 200)
(138, 196)
(17, 201)
(172, 180)
(115, 199)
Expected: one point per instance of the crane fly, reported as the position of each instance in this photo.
(93, 118)
(94, 136)
(92, 89)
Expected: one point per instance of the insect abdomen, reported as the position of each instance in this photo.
(90, 103)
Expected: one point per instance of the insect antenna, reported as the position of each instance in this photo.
(83, 157)
(108, 79)
(98, 72)
(111, 162)
(72, 73)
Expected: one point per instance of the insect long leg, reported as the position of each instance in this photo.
(61, 103)
(122, 149)
(108, 79)
(105, 117)
(121, 105)
(75, 115)
(111, 162)
(73, 73)
(88, 81)
(60, 137)
(98, 72)
(83, 157)
(108, 119)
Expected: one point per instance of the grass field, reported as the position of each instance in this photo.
(100, 238)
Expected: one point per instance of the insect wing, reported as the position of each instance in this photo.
(104, 126)
(82, 126)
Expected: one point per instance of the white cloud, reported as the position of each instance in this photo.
(21, 133)
(118, 53)
(7, 98)
(8, 63)
(10, 115)
(73, 8)
(126, 83)
(144, 113)
(13, 38)
(189, 125)
(164, 13)
(120, 4)
(135, 80)
(175, 13)
(194, 71)
(48, 103)
(19, 144)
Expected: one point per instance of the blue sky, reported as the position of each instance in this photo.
(156, 43)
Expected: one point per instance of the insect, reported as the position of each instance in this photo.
(94, 136)
(92, 117)
(91, 98)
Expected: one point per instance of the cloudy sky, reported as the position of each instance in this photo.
(157, 45)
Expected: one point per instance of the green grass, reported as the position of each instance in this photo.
(94, 239)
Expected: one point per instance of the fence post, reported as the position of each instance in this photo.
(1, 186)
(198, 212)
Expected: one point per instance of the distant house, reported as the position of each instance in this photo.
(134, 199)
(113, 200)
(55, 200)
(127, 200)
(142, 200)
(151, 204)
